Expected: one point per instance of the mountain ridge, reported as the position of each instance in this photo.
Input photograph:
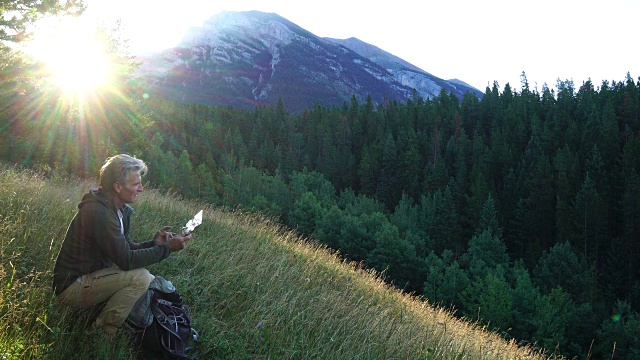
(253, 58)
(427, 85)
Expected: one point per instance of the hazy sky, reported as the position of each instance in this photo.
(471, 40)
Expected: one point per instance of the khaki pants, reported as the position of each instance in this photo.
(120, 289)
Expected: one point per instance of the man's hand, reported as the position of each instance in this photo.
(162, 235)
(177, 242)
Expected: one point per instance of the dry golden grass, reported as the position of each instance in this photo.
(257, 291)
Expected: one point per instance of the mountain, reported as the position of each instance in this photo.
(252, 58)
(427, 85)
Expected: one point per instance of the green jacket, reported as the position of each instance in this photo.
(94, 241)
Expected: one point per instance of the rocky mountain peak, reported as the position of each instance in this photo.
(253, 58)
(268, 27)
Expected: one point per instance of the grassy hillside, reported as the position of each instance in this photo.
(255, 289)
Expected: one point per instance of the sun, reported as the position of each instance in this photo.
(73, 56)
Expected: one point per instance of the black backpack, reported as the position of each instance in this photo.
(170, 335)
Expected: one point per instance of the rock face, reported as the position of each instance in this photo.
(252, 58)
(427, 85)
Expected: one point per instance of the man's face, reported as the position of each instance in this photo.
(128, 193)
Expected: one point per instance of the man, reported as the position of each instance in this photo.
(98, 238)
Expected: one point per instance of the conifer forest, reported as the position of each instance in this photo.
(520, 210)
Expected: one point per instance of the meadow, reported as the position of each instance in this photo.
(256, 289)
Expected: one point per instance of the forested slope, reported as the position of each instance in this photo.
(521, 209)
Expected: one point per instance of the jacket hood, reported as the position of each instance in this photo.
(94, 195)
(98, 196)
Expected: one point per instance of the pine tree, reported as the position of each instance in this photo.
(436, 176)
(329, 226)
(409, 160)
(357, 238)
(369, 170)
(486, 252)
(445, 280)
(305, 215)
(388, 191)
(526, 297)
(396, 257)
(564, 164)
(405, 218)
(554, 315)
(561, 268)
(590, 216)
(441, 221)
(619, 333)
(631, 211)
(489, 219)
(184, 181)
(491, 299)
(206, 185)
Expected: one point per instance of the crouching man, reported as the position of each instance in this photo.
(98, 238)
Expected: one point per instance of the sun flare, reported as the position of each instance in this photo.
(73, 56)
